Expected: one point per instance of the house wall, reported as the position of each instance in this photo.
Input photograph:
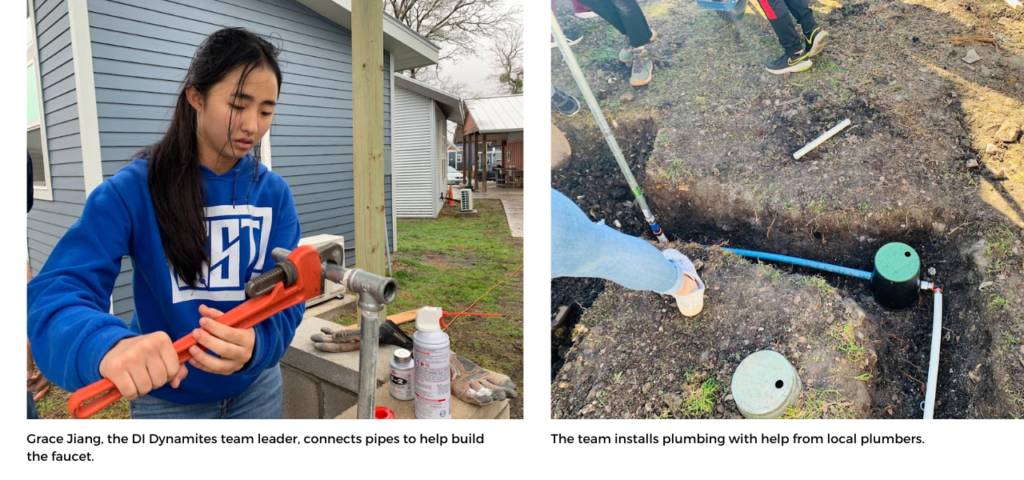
(415, 132)
(49, 220)
(141, 52)
(440, 158)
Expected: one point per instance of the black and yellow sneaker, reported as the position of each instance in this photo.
(816, 41)
(787, 63)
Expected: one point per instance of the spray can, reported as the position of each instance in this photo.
(402, 372)
(433, 390)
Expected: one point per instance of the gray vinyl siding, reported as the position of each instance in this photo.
(49, 220)
(141, 52)
(414, 143)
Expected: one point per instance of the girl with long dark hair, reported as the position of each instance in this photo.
(199, 216)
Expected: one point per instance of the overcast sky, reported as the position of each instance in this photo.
(476, 71)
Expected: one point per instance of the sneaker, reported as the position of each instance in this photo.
(816, 41)
(690, 303)
(626, 55)
(564, 104)
(572, 37)
(797, 62)
(643, 68)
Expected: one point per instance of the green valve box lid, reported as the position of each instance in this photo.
(897, 262)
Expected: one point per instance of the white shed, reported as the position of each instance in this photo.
(420, 146)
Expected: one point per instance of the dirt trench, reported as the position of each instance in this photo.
(975, 381)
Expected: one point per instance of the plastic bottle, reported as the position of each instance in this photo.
(433, 376)
(402, 373)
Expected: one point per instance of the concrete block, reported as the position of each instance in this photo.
(336, 400)
(333, 308)
(460, 409)
(300, 394)
(338, 369)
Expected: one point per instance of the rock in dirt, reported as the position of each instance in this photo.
(790, 113)
(1009, 132)
(991, 148)
(931, 271)
(627, 98)
(673, 401)
(971, 56)
(972, 163)
(975, 375)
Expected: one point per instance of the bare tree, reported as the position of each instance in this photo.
(454, 25)
(507, 56)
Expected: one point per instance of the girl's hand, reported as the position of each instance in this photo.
(233, 345)
(139, 364)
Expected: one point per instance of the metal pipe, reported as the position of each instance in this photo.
(588, 95)
(933, 360)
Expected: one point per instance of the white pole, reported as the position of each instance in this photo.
(933, 361)
(825, 136)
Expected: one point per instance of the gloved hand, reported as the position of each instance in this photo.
(476, 385)
(344, 339)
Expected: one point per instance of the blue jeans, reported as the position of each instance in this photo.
(33, 414)
(263, 399)
(582, 248)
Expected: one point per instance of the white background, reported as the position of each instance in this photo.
(515, 449)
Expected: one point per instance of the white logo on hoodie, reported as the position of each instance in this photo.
(237, 238)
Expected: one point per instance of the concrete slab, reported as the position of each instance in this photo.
(341, 369)
(460, 409)
(334, 307)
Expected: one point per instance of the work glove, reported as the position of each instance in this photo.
(476, 385)
(344, 339)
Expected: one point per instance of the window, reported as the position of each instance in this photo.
(35, 126)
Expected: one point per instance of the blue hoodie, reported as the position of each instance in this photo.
(69, 322)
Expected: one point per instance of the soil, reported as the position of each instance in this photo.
(711, 140)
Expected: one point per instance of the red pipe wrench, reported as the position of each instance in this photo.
(291, 282)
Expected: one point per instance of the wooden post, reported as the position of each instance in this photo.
(486, 168)
(504, 164)
(368, 171)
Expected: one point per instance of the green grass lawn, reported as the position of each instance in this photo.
(55, 405)
(451, 261)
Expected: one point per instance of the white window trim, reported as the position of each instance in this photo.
(39, 192)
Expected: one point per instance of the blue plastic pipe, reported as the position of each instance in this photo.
(774, 257)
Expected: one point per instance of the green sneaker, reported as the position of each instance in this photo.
(643, 68)
(626, 56)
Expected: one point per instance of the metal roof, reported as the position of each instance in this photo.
(496, 114)
(450, 103)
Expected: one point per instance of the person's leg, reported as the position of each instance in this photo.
(782, 23)
(607, 10)
(634, 22)
(581, 11)
(804, 16)
(581, 248)
(147, 408)
(33, 414)
(816, 37)
(263, 400)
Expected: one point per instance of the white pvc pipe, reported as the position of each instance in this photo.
(825, 136)
(933, 361)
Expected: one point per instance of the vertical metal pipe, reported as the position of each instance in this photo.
(588, 95)
(369, 331)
